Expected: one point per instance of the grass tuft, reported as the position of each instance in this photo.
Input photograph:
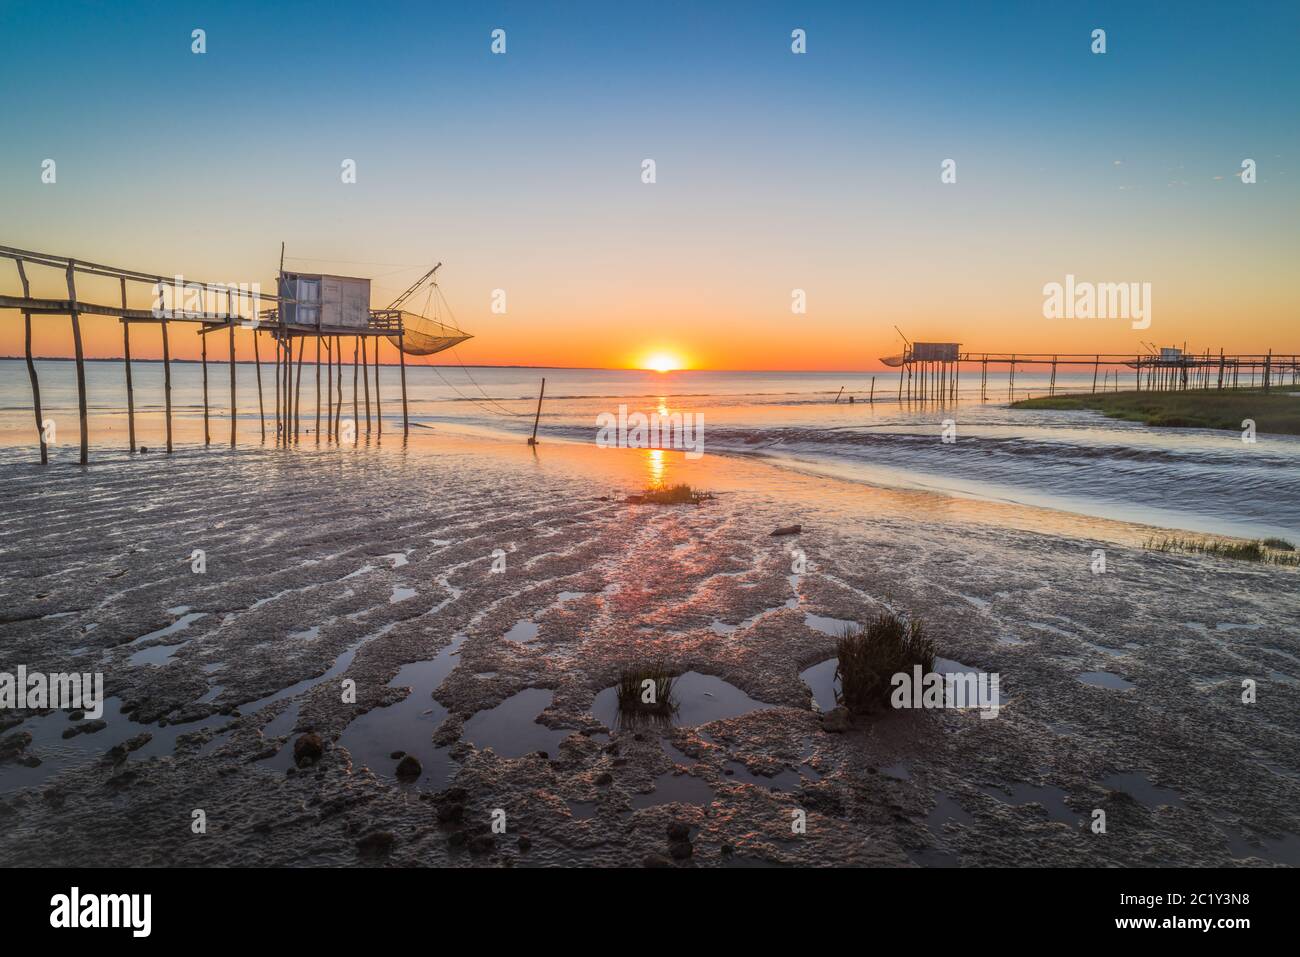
(633, 709)
(1272, 551)
(869, 657)
(671, 495)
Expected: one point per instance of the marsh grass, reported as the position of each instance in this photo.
(1276, 411)
(1272, 551)
(672, 495)
(633, 710)
(869, 657)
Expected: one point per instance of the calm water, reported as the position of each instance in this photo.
(1080, 462)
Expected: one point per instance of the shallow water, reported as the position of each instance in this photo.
(1201, 480)
(700, 699)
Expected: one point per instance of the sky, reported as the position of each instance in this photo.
(774, 171)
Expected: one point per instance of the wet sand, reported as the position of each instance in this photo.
(374, 566)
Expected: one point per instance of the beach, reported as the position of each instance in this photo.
(480, 598)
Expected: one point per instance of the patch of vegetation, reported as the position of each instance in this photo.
(869, 657)
(645, 695)
(1274, 411)
(671, 495)
(1273, 551)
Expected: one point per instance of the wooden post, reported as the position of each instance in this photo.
(338, 398)
(838, 394)
(257, 367)
(297, 389)
(873, 390)
(365, 377)
(1096, 365)
(276, 339)
(356, 350)
(537, 417)
(31, 368)
(1268, 369)
(167, 384)
(130, 391)
(81, 365)
(318, 338)
(401, 359)
(230, 318)
(234, 409)
(203, 349)
(379, 410)
(329, 386)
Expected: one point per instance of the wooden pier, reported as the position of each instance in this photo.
(931, 372)
(223, 307)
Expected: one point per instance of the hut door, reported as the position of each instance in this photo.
(309, 302)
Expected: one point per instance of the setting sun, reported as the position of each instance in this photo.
(661, 362)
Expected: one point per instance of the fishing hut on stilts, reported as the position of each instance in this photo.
(332, 312)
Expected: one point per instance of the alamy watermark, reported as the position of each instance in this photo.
(953, 689)
(658, 430)
(35, 689)
(1098, 300)
(179, 299)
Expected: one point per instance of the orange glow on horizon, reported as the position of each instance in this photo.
(662, 362)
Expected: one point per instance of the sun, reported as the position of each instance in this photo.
(661, 362)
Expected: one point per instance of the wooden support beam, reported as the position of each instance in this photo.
(329, 386)
(81, 367)
(338, 397)
(203, 354)
(130, 389)
(401, 360)
(318, 338)
(356, 350)
(365, 377)
(276, 339)
(234, 408)
(257, 368)
(31, 370)
(167, 385)
(297, 392)
(379, 409)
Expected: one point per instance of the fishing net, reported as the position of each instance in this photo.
(422, 336)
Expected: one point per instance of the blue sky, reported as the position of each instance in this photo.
(819, 171)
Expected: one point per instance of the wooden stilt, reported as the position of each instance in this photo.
(276, 339)
(130, 391)
(81, 366)
(234, 408)
(31, 369)
(257, 366)
(318, 338)
(356, 349)
(297, 390)
(167, 384)
(329, 387)
(365, 376)
(338, 399)
(379, 410)
(203, 349)
(1096, 366)
(401, 361)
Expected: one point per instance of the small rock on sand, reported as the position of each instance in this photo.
(409, 768)
(787, 530)
(308, 749)
(656, 860)
(836, 721)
